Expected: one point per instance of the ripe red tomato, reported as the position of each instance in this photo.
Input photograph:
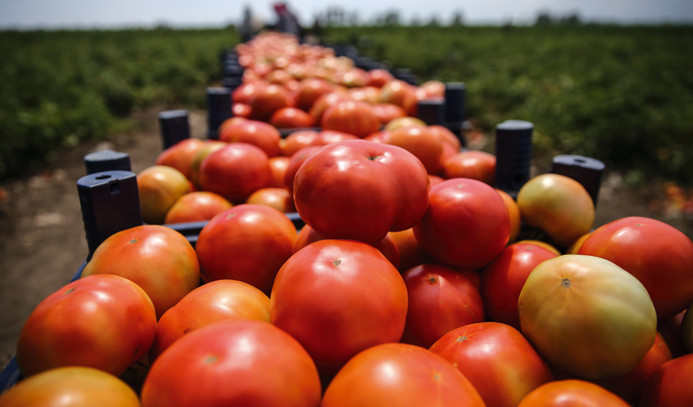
(360, 190)
(368, 94)
(277, 198)
(571, 312)
(670, 384)
(291, 118)
(311, 89)
(167, 266)
(379, 77)
(71, 386)
(629, 386)
(353, 78)
(326, 101)
(106, 322)
(474, 164)
(159, 187)
(466, 224)
(350, 117)
(440, 299)
(514, 213)
(295, 162)
(257, 133)
(387, 246)
(502, 280)
(268, 99)
(499, 362)
(235, 171)
(241, 110)
(233, 362)
(571, 393)
(558, 205)
(278, 165)
(410, 251)
(421, 142)
(400, 93)
(337, 298)
(398, 374)
(212, 302)
(208, 147)
(246, 91)
(386, 112)
(196, 206)
(657, 254)
(247, 243)
(306, 138)
(180, 155)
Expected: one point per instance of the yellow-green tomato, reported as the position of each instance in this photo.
(587, 316)
(558, 205)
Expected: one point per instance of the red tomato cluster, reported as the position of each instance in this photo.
(411, 282)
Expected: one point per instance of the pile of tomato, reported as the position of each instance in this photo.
(410, 283)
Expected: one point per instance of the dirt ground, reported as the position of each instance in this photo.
(42, 242)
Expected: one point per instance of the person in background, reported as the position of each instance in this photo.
(286, 20)
(250, 26)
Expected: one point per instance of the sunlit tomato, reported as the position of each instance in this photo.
(215, 301)
(514, 213)
(572, 314)
(670, 384)
(499, 362)
(241, 110)
(246, 91)
(354, 78)
(157, 258)
(247, 243)
(398, 374)
(431, 90)
(233, 362)
(106, 322)
(311, 89)
(571, 393)
(196, 206)
(558, 205)
(547, 246)
(400, 93)
(291, 118)
(411, 253)
(159, 187)
(208, 147)
(502, 280)
(324, 102)
(387, 246)
(306, 138)
(368, 94)
(379, 77)
(425, 145)
(360, 190)
(337, 298)
(449, 138)
(278, 165)
(235, 171)
(657, 254)
(387, 112)
(440, 299)
(466, 224)
(71, 386)
(180, 155)
(350, 117)
(474, 164)
(295, 163)
(253, 132)
(267, 100)
(405, 121)
(277, 198)
(629, 386)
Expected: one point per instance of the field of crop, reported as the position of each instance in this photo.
(620, 94)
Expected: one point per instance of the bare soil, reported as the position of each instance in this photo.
(42, 243)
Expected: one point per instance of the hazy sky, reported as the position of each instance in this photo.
(111, 14)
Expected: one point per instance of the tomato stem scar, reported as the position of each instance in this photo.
(337, 262)
(565, 282)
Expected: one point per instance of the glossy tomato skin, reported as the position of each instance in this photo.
(398, 374)
(421, 142)
(571, 392)
(235, 171)
(574, 317)
(475, 164)
(159, 187)
(211, 302)
(466, 224)
(338, 297)
(247, 243)
(440, 299)
(268, 99)
(196, 206)
(497, 359)
(361, 190)
(657, 254)
(670, 384)
(291, 118)
(104, 321)
(350, 117)
(71, 386)
(260, 134)
(234, 362)
(180, 155)
(277, 198)
(558, 205)
(502, 280)
(157, 258)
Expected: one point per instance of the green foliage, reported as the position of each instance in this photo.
(622, 94)
(61, 87)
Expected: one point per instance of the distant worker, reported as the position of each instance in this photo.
(286, 20)
(250, 26)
